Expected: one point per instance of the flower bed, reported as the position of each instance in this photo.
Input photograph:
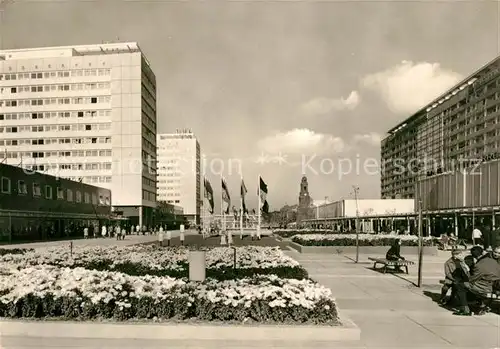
(364, 240)
(77, 293)
(288, 233)
(6, 251)
(173, 262)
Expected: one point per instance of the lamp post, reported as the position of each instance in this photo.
(420, 243)
(356, 190)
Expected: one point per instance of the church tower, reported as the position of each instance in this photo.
(304, 209)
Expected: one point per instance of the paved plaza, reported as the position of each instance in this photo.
(129, 240)
(390, 310)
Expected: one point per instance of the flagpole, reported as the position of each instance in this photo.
(223, 216)
(260, 205)
(203, 213)
(241, 207)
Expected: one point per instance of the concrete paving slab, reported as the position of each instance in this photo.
(348, 331)
(445, 318)
(475, 337)
(88, 343)
(491, 319)
(401, 335)
(382, 316)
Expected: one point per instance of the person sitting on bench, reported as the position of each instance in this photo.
(451, 267)
(394, 253)
(483, 276)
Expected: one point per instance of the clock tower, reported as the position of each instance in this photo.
(304, 209)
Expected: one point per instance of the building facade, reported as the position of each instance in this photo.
(455, 132)
(305, 208)
(179, 172)
(36, 206)
(85, 113)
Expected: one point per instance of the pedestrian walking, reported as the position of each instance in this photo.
(476, 237)
(223, 240)
(85, 233)
(181, 236)
(169, 237)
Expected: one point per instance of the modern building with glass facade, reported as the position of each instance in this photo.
(85, 113)
(457, 130)
(446, 155)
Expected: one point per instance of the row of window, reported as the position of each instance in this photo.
(169, 181)
(36, 191)
(86, 179)
(149, 182)
(173, 201)
(56, 87)
(160, 187)
(49, 101)
(55, 74)
(51, 128)
(78, 167)
(173, 194)
(49, 141)
(55, 114)
(48, 154)
(147, 195)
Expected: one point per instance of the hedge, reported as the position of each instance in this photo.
(364, 240)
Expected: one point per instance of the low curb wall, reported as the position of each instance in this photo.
(374, 250)
(348, 331)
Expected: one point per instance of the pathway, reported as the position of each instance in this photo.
(392, 312)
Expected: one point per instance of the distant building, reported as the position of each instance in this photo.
(375, 215)
(85, 113)
(169, 216)
(36, 206)
(179, 172)
(305, 209)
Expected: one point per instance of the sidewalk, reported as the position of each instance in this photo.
(394, 313)
(129, 240)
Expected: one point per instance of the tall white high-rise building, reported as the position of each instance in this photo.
(179, 172)
(86, 113)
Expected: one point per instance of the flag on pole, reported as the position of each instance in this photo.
(209, 194)
(265, 207)
(263, 195)
(225, 196)
(243, 192)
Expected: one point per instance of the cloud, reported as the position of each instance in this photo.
(409, 86)
(371, 138)
(322, 105)
(301, 141)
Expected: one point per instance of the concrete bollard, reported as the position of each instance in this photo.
(197, 265)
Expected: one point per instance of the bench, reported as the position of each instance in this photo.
(386, 263)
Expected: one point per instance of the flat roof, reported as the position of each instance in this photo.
(104, 48)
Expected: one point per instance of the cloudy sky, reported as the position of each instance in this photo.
(282, 87)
